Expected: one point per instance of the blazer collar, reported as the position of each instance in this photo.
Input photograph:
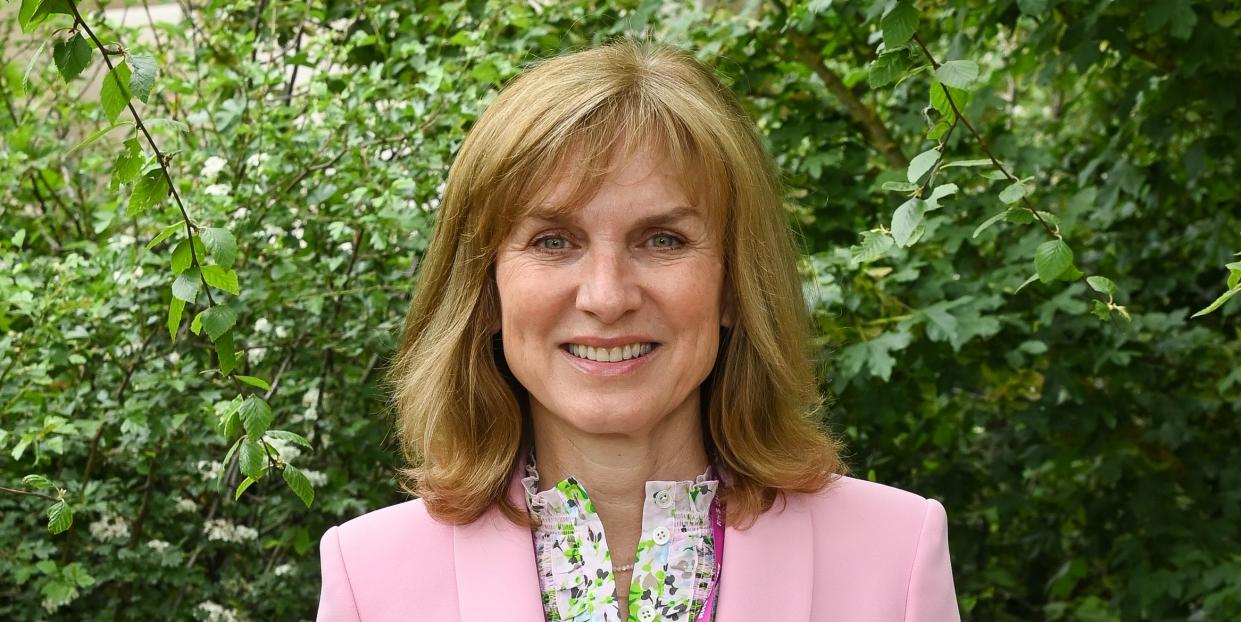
(767, 574)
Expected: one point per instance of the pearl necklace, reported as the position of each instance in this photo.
(624, 568)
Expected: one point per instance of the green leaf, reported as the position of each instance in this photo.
(986, 224)
(220, 278)
(980, 162)
(256, 415)
(143, 77)
(59, 517)
(1051, 259)
(218, 320)
(96, 135)
(899, 186)
(241, 488)
(128, 164)
(221, 244)
(959, 74)
(1219, 302)
(34, 12)
(1100, 310)
(907, 222)
(875, 244)
(299, 484)
(30, 66)
(114, 93)
(1013, 193)
(255, 382)
(292, 437)
(37, 482)
(939, 192)
(72, 56)
(1033, 8)
(886, 69)
(181, 256)
(1033, 278)
(150, 190)
(251, 458)
(899, 24)
(175, 309)
(226, 352)
(163, 235)
(921, 164)
(187, 285)
(1101, 284)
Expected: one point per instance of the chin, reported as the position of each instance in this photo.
(608, 420)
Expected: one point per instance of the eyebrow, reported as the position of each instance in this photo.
(681, 212)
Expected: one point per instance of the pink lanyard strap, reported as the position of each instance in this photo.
(717, 529)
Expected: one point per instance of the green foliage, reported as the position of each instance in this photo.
(1002, 267)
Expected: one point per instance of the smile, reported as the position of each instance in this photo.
(610, 355)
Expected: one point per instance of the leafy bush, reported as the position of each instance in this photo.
(1009, 212)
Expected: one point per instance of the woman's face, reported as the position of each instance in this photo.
(632, 279)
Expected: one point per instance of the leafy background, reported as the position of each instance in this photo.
(180, 420)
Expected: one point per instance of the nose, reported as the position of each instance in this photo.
(608, 287)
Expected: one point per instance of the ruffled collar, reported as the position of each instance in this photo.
(686, 499)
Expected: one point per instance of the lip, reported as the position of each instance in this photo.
(619, 368)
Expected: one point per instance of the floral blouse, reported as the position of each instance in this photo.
(675, 568)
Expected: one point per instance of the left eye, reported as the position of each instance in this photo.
(664, 240)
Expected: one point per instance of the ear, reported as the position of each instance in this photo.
(728, 308)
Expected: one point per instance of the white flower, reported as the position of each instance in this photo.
(282, 569)
(173, 358)
(186, 505)
(109, 528)
(288, 451)
(217, 613)
(310, 397)
(159, 546)
(317, 478)
(256, 355)
(216, 190)
(213, 166)
(281, 332)
(225, 531)
(254, 161)
(261, 325)
(209, 469)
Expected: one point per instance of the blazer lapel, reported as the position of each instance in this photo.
(496, 575)
(768, 568)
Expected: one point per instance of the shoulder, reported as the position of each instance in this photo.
(863, 499)
(853, 517)
(387, 556)
(383, 537)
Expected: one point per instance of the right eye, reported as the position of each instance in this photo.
(551, 243)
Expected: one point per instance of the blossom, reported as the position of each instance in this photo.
(159, 546)
(213, 166)
(224, 531)
(217, 613)
(109, 528)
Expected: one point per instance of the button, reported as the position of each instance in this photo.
(663, 499)
(661, 535)
(646, 614)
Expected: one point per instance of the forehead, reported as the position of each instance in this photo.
(641, 185)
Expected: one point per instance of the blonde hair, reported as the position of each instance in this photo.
(463, 423)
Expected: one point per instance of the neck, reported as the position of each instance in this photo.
(614, 468)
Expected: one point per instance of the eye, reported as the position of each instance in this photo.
(551, 243)
(666, 241)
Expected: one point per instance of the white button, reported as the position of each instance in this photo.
(663, 499)
(646, 614)
(661, 535)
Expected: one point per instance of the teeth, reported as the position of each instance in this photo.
(612, 355)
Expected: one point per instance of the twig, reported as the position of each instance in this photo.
(982, 142)
(31, 493)
(159, 155)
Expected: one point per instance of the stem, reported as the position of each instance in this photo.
(982, 142)
(31, 493)
(159, 155)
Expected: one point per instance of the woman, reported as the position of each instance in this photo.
(605, 386)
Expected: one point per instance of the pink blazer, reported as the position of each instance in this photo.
(856, 552)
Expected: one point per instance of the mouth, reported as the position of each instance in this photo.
(616, 354)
